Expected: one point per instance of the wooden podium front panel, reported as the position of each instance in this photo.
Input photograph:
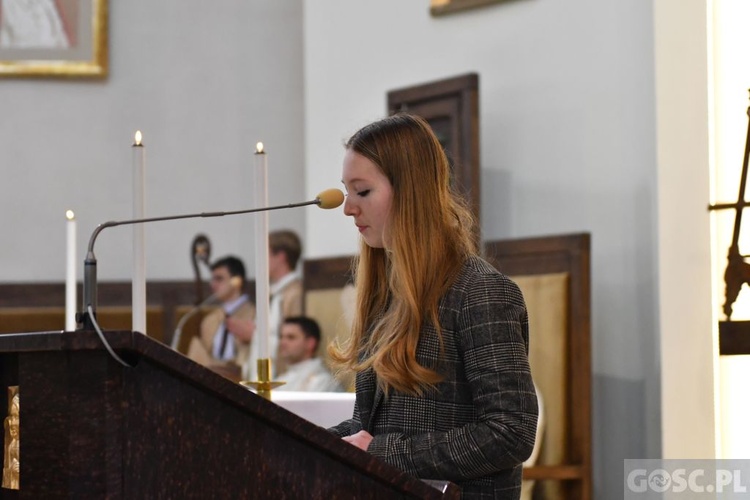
(169, 428)
(200, 447)
(70, 425)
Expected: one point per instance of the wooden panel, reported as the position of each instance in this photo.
(330, 272)
(554, 472)
(568, 254)
(44, 304)
(169, 428)
(734, 338)
(40, 319)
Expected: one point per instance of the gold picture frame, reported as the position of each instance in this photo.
(443, 7)
(54, 38)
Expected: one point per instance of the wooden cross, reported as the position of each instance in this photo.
(738, 271)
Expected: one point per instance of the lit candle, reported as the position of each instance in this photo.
(139, 252)
(70, 273)
(261, 254)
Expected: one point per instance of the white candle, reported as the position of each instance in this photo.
(139, 252)
(70, 273)
(261, 254)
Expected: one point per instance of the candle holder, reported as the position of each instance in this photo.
(264, 384)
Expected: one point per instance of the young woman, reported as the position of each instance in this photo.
(440, 338)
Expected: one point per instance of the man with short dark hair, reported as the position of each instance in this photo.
(298, 342)
(219, 343)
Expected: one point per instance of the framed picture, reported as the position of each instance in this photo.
(53, 38)
(451, 107)
(442, 7)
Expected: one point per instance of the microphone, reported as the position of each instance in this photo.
(235, 282)
(330, 198)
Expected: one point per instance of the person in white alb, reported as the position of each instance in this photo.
(298, 343)
(285, 290)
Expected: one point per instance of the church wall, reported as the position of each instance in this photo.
(204, 81)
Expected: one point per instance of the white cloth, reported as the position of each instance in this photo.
(274, 322)
(325, 409)
(230, 351)
(31, 24)
(309, 375)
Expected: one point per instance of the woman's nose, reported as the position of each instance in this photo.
(349, 206)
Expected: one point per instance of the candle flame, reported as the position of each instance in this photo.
(138, 137)
(259, 147)
(70, 215)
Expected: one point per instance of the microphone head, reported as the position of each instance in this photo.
(330, 198)
(235, 282)
(227, 288)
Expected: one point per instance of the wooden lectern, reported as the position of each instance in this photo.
(169, 428)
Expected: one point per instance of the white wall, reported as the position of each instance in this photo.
(568, 144)
(687, 332)
(204, 84)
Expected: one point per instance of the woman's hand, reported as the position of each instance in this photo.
(361, 439)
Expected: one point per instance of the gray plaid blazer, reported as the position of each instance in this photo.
(479, 424)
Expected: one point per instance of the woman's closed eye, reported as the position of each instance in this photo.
(363, 193)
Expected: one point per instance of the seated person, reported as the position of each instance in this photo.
(298, 343)
(219, 341)
(285, 249)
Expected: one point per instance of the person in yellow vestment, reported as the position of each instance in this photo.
(220, 342)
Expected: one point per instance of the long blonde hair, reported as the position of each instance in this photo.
(430, 233)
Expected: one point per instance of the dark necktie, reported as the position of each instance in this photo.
(224, 338)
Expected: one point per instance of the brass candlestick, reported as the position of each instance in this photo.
(264, 384)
